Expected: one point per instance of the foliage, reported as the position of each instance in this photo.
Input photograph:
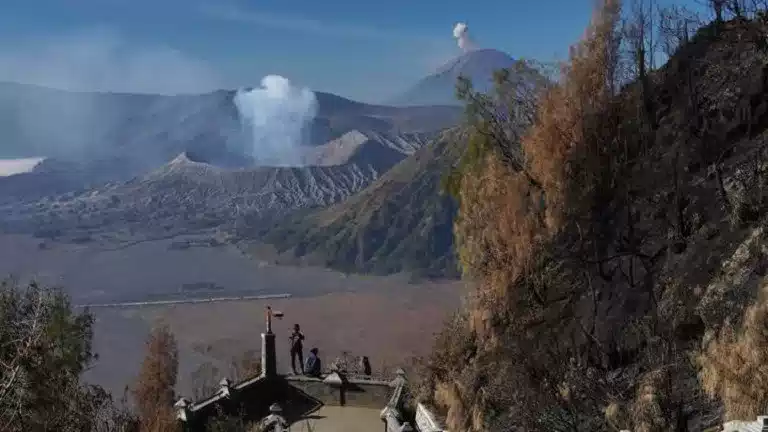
(537, 219)
(400, 223)
(734, 366)
(588, 236)
(232, 423)
(497, 120)
(44, 348)
(206, 378)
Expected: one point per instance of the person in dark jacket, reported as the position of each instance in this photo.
(297, 348)
(313, 367)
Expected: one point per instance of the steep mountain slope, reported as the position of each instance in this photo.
(440, 87)
(635, 297)
(92, 138)
(190, 194)
(366, 148)
(401, 222)
(38, 121)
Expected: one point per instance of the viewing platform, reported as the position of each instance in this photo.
(336, 401)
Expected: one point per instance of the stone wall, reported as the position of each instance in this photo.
(335, 390)
(292, 397)
(393, 413)
(249, 400)
(742, 426)
(297, 395)
(427, 419)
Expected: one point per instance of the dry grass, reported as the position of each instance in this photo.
(648, 413)
(734, 366)
(616, 416)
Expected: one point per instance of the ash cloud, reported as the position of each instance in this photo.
(276, 116)
(463, 39)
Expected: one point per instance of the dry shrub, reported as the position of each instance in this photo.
(154, 389)
(567, 133)
(748, 196)
(497, 228)
(453, 349)
(505, 214)
(206, 378)
(509, 213)
(648, 410)
(448, 394)
(734, 366)
(225, 423)
(205, 381)
(616, 416)
(245, 366)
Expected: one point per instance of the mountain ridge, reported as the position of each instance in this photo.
(439, 88)
(402, 222)
(188, 194)
(105, 137)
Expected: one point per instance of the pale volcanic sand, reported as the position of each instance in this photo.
(390, 326)
(340, 419)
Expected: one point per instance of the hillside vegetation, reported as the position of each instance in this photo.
(615, 248)
(401, 222)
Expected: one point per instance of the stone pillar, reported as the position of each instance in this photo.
(182, 407)
(275, 420)
(268, 355)
(225, 387)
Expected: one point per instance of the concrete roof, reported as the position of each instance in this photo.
(340, 419)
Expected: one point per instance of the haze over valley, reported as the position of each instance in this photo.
(457, 232)
(268, 190)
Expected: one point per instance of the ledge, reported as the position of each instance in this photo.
(349, 379)
(427, 420)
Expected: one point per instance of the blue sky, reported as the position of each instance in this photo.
(359, 49)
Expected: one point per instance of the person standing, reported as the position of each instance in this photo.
(297, 348)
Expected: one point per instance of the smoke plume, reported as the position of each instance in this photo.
(461, 33)
(276, 116)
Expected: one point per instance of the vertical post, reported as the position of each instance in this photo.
(182, 409)
(268, 354)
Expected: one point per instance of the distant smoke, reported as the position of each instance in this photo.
(461, 33)
(276, 116)
(102, 60)
(51, 124)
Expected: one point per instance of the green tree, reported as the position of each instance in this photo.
(44, 348)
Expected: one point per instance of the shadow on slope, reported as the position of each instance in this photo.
(400, 223)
